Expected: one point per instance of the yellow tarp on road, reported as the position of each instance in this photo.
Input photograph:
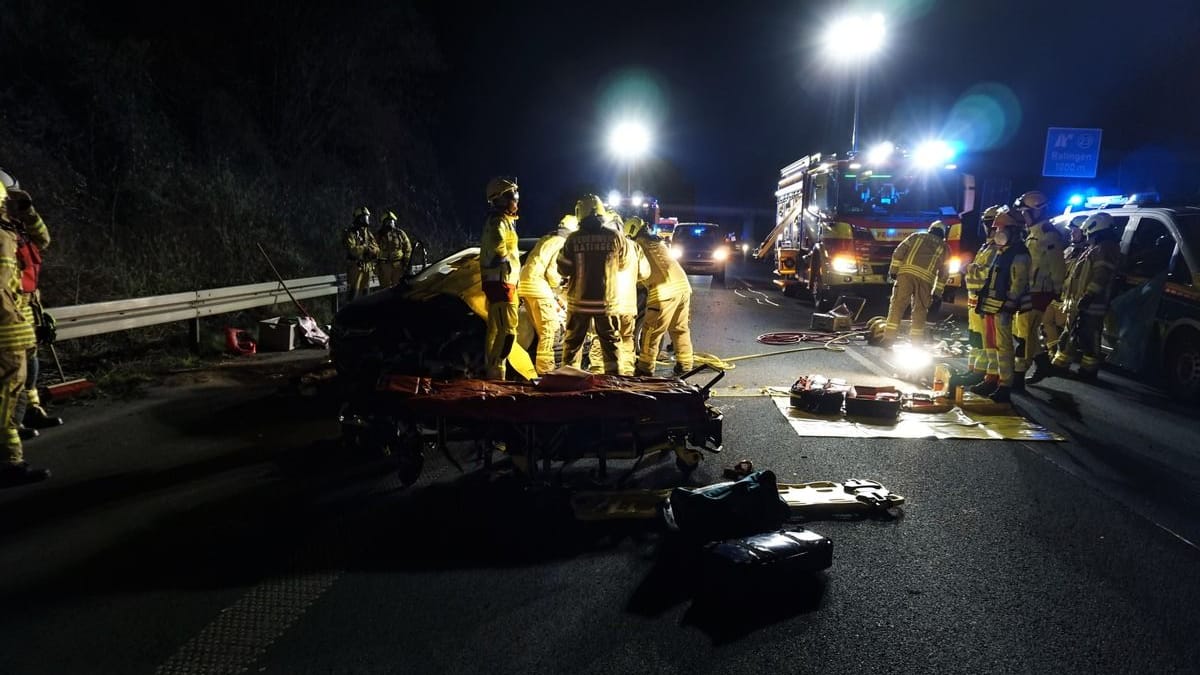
(952, 424)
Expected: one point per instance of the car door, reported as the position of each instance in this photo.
(1147, 248)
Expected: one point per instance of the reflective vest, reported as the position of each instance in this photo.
(1007, 280)
(977, 269)
(923, 255)
(499, 259)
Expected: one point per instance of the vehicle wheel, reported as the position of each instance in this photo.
(821, 296)
(1182, 365)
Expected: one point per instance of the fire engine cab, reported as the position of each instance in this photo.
(839, 218)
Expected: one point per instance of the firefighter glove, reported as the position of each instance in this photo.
(47, 330)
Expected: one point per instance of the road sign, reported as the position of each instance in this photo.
(1071, 153)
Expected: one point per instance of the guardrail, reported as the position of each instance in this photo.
(74, 321)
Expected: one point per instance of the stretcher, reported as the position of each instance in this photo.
(611, 417)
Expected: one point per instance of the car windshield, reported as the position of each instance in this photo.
(696, 233)
(887, 194)
(448, 264)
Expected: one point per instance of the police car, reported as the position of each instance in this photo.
(1153, 325)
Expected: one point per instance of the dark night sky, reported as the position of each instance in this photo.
(744, 90)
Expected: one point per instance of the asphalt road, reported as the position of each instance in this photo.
(218, 526)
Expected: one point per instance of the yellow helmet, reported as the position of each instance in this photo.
(939, 228)
(1096, 223)
(500, 186)
(569, 223)
(362, 215)
(589, 205)
(1005, 218)
(1034, 199)
(990, 213)
(634, 226)
(389, 218)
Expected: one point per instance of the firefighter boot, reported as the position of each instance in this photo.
(36, 417)
(967, 380)
(1042, 368)
(1002, 394)
(987, 387)
(26, 433)
(12, 475)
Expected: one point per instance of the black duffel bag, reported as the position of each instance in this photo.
(727, 510)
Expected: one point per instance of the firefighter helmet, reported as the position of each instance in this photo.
(500, 186)
(389, 219)
(1005, 218)
(1031, 204)
(1097, 223)
(589, 205)
(634, 227)
(990, 213)
(569, 223)
(362, 216)
(9, 181)
(939, 228)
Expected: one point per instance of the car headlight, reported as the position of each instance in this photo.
(845, 264)
(955, 265)
(677, 252)
(720, 253)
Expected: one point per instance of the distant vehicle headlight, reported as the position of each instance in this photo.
(677, 252)
(845, 264)
(721, 253)
(955, 265)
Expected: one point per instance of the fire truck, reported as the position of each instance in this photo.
(839, 218)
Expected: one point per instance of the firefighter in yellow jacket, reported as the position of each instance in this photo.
(919, 270)
(540, 290)
(395, 250)
(1047, 271)
(1086, 295)
(668, 303)
(499, 273)
(1000, 297)
(636, 270)
(16, 336)
(978, 364)
(361, 253)
(1054, 320)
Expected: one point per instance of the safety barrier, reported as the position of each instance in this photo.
(76, 321)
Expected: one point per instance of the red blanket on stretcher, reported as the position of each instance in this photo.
(607, 398)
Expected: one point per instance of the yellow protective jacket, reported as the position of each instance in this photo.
(636, 269)
(977, 269)
(591, 260)
(16, 330)
(1007, 282)
(499, 259)
(394, 245)
(922, 255)
(667, 280)
(1092, 275)
(1048, 267)
(539, 274)
(360, 245)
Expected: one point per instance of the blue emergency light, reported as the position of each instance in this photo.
(1075, 200)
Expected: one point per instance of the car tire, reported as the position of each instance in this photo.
(1182, 364)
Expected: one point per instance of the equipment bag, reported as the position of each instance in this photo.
(727, 510)
(770, 560)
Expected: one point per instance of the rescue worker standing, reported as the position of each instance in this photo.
(539, 290)
(1086, 296)
(919, 271)
(668, 303)
(1000, 297)
(591, 259)
(16, 336)
(499, 273)
(1047, 271)
(361, 253)
(395, 250)
(635, 270)
(1055, 320)
(978, 365)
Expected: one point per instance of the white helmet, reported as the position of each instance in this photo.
(1096, 223)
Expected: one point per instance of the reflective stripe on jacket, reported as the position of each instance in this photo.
(499, 259)
(591, 260)
(16, 330)
(922, 255)
(539, 274)
(1093, 274)
(394, 245)
(977, 269)
(360, 244)
(667, 279)
(636, 269)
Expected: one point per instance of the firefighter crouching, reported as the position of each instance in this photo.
(539, 290)
(361, 253)
(1001, 295)
(1047, 271)
(591, 260)
(1054, 321)
(1086, 296)
(919, 270)
(16, 336)
(668, 303)
(499, 273)
(978, 365)
(395, 250)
